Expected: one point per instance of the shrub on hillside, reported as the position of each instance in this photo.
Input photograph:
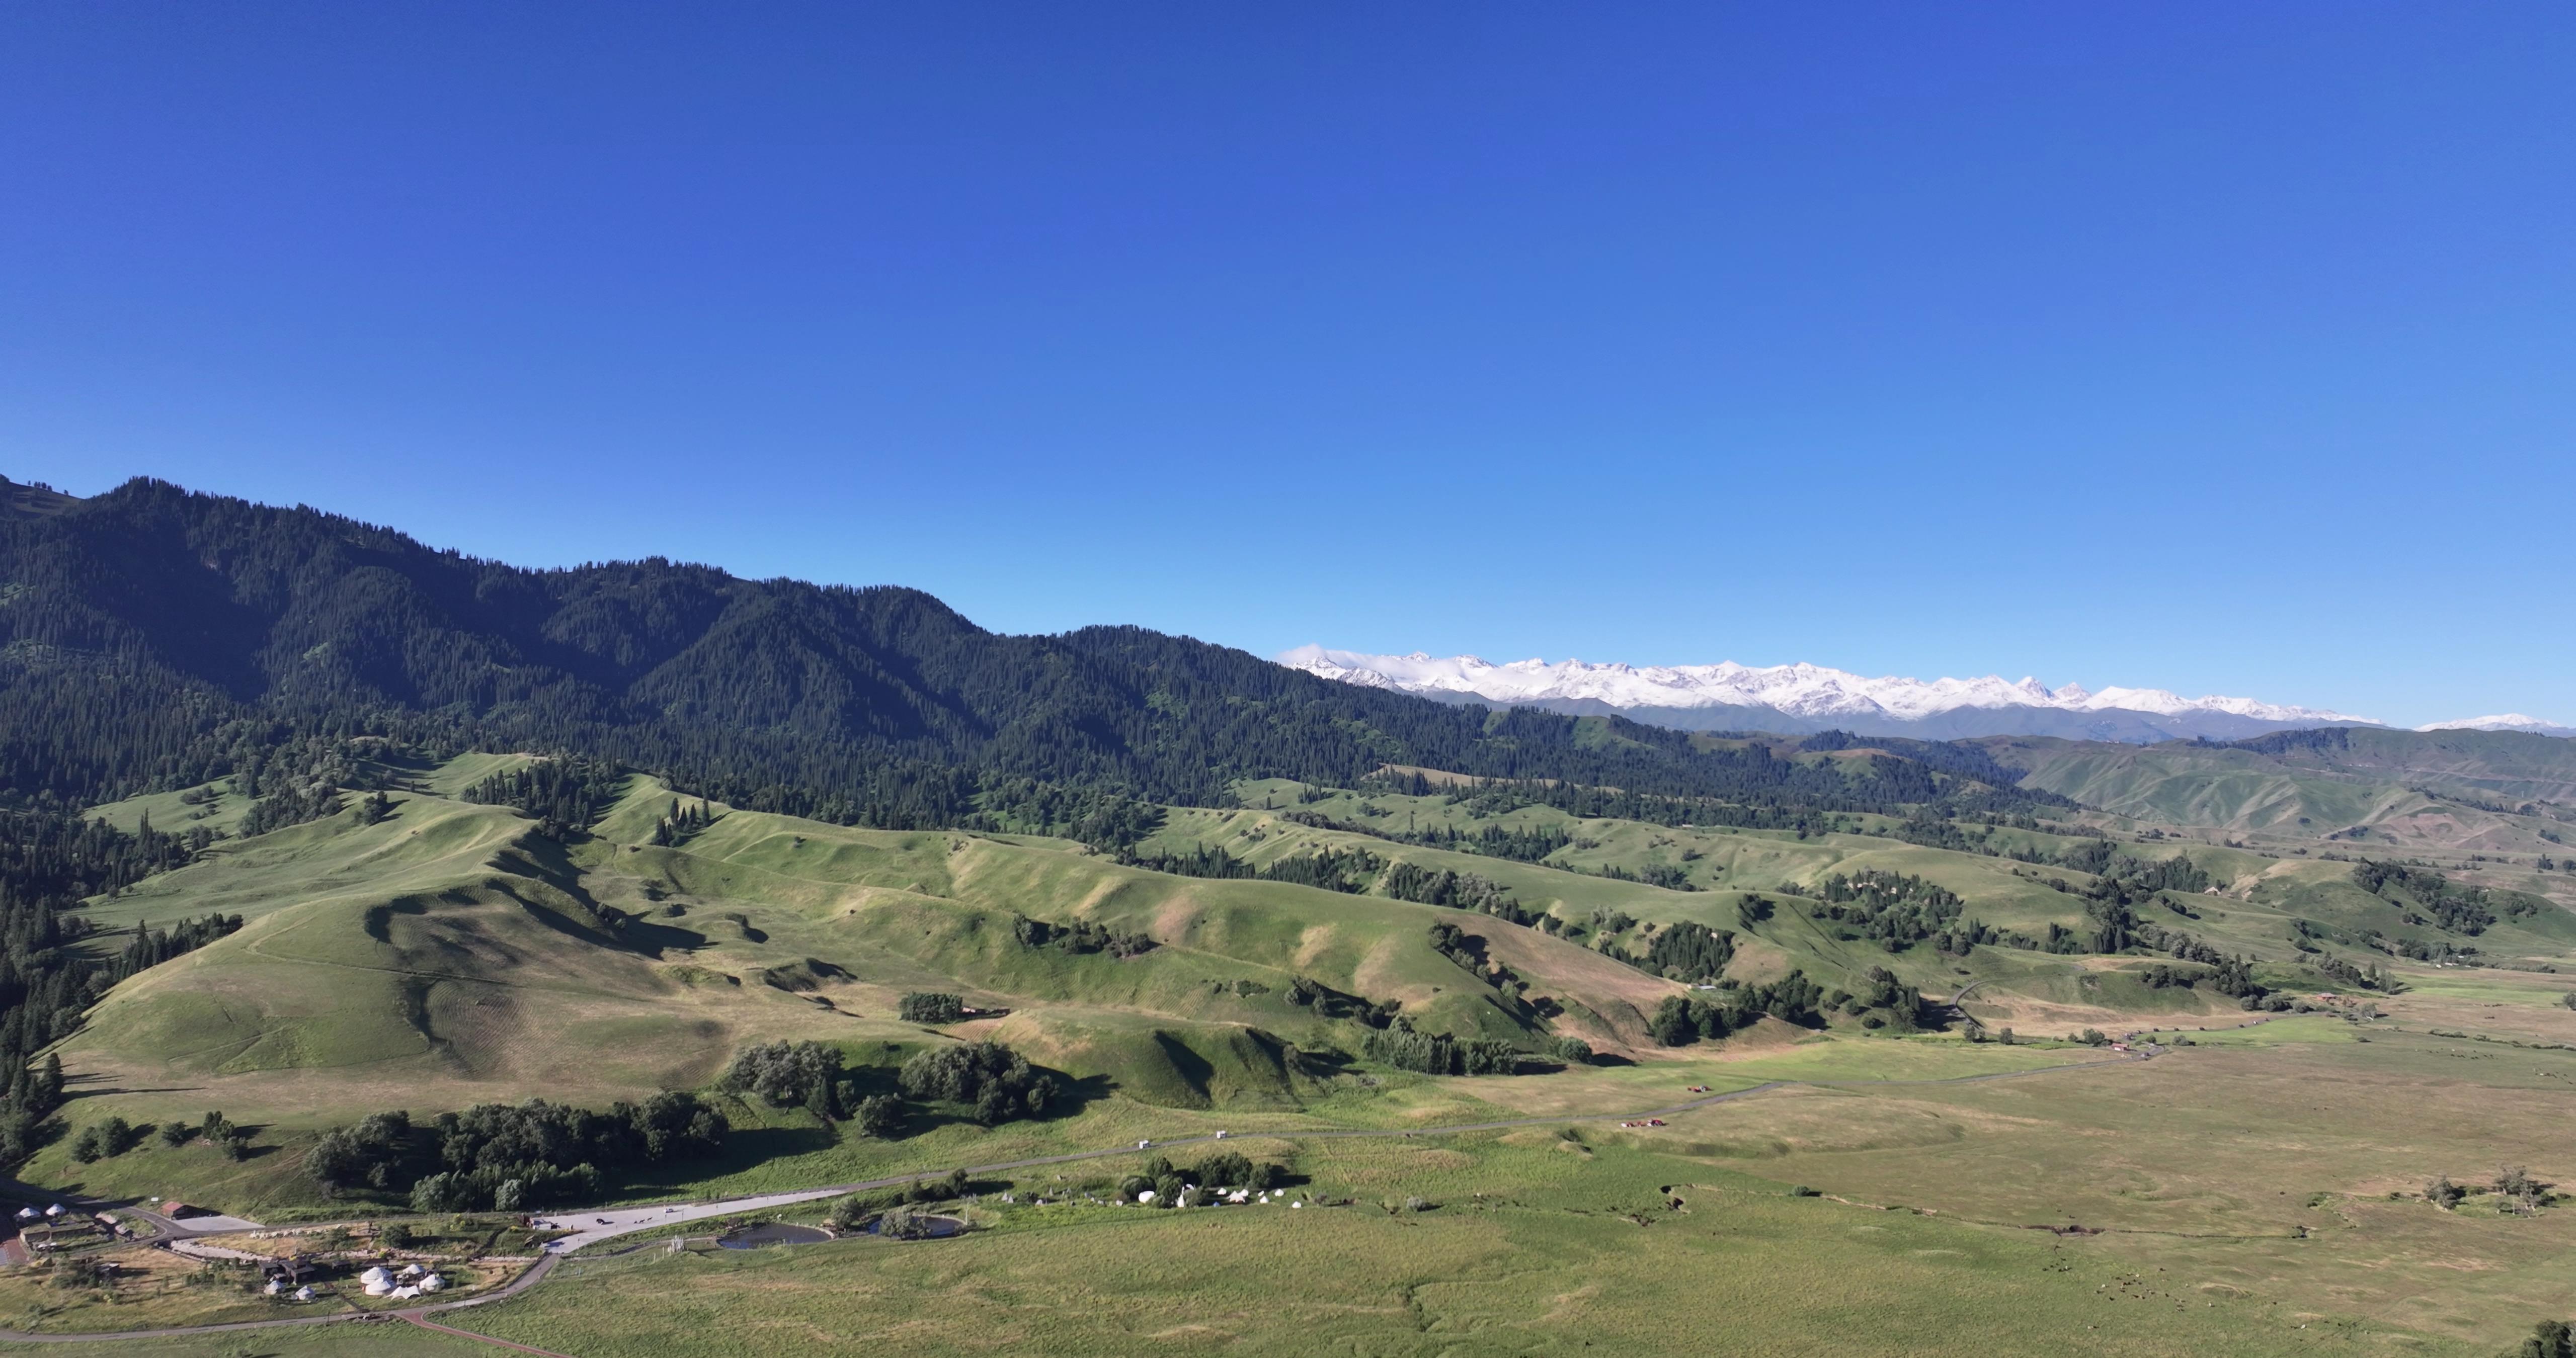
(933, 1008)
(788, 1075)
(999, 1082)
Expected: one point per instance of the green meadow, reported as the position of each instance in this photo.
(2256, 1189)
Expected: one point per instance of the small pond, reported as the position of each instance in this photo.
(771, 1233)
(931, 1228)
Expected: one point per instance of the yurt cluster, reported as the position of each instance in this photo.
(403, 1284)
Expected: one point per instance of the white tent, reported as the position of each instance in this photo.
(379, 1287)
(55, 1210)
(274, 1287)
(304, 1294)
(26, 1214)
(373, 1276)
(433, 1283)
(412, 1270)
(405, 1293)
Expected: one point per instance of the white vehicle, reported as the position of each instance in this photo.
(1143, 1144)
(1220, 1136)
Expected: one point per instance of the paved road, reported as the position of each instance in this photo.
(591, 1229)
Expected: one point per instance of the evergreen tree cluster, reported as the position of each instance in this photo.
(1687, 951)
(681, 822)
(564, 796)
(50, 861)
(1897, 910)
(1669, 876)
(1198, 860)
(1441, 1054)
(1344, 870)
(1457, 890)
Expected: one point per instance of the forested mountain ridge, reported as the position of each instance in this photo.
(148, 633)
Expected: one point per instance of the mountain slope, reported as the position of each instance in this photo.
(146, 634)
(1809, 698)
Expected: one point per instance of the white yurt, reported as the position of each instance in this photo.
(404, 1293)
(273, 1288)
(373, 1276)
(412, 1270)
(433, 1283)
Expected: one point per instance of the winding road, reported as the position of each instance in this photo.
(603, 1224)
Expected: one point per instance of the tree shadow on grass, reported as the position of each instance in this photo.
(746, 1148)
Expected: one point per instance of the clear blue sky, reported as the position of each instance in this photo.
(2218, 347)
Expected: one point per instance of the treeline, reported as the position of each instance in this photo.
(996, 1083)
(509, 1158)
(1344, 870)
(1441, 1054)
(51, 859)
(1456, 890)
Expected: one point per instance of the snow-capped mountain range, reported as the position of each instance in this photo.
(2507, 721)
(1803, 698)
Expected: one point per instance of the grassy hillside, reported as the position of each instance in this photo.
(448, 954)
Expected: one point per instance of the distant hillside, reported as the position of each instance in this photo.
(2471, 789)
(153, 637)
(2511, 766)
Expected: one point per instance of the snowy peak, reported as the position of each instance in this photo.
(1812, 697)
(2503, 721)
